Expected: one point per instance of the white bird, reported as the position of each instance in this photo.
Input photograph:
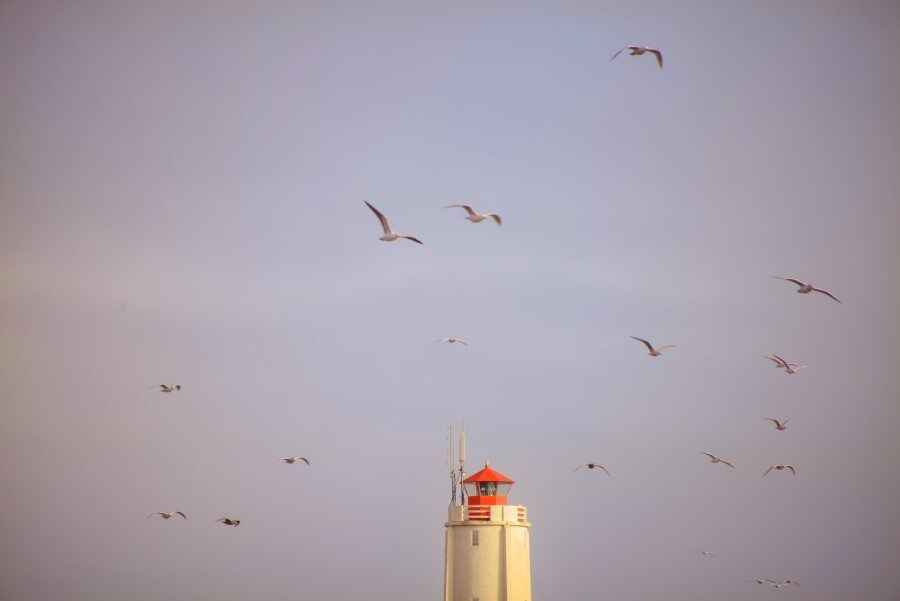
(292, 460)
(780, 364)
(476, 217)
(389, 234)
(806, 288)
(639, 50)
(228, 521)
(705, 553)
(654, 352)
(164, 515)
(790, 368)
(453, 341)
(781, 467)
(167, 387)
(778, 425)
(591, 466)
(786, 582)
(714, 459)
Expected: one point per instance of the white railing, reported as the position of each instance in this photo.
(496, 513)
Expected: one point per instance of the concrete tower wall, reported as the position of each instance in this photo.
(488, 559)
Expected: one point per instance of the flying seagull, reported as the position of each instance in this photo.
(591, 466)
(389, 234)
(714, 459)
(790, 368)
(762, 581)
(787, 582)
(705, 553)
(167, 387)
(806, 288)
(781, 467)
(780, 365)
(778, 425)
(454, 340)
(476, 217)
(292, 460)
(654, 352)
(639, 50)
(165, 515)
(228, 521)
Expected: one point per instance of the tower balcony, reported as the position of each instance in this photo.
(500, 514)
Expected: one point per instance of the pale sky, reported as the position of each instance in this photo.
(203, 165)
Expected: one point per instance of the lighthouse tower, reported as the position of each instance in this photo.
(487, 555)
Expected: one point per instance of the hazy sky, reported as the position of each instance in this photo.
(182, 187)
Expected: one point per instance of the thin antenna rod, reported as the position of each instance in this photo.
(462, 463)
(451, 441)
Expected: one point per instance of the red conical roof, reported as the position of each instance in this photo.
(488, 475)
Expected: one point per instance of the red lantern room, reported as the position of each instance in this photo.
(487, 487)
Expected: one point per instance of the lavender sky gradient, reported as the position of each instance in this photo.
(182, 187)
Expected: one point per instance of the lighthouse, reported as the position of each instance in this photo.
(487, 548)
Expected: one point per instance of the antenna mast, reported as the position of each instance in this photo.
(462, 463)
(451, 439)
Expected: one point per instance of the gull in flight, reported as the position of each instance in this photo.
(653, 351)
(167, 387)
(475, 216)
(292, 460)
(714, 459)
(786, 582)
(639, 50)
(454, 340)
(762, 581)
(806, 288)
(591, 466)
(165, 515)
(228, 521)
(778, 425)
(781, 467)
(705, 553)
(780, 363)
(389, 234)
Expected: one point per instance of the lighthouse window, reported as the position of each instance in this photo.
(474, 538)
(488, 489)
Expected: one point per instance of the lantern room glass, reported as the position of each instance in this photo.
(487, 489)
